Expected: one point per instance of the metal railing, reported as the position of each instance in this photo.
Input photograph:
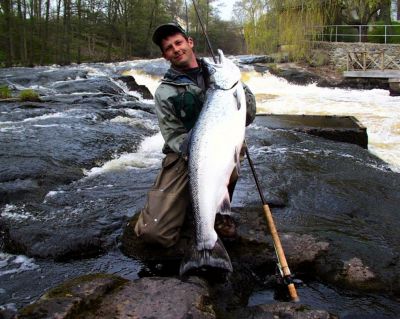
(358, 33)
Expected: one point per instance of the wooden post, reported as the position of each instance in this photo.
(364, 66)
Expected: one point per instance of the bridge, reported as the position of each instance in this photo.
(379, 58)
(372, 64)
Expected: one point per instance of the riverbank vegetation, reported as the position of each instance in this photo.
(5, 92)
(35, 32)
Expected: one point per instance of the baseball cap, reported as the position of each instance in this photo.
(165, 30)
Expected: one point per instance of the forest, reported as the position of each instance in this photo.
(41, 32)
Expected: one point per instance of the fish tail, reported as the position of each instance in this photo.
(216, 258)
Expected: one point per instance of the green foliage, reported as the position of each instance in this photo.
(5, 92)
(271, 24)
(29, 95)
(318, 58)
(377, 34)
(359, 11)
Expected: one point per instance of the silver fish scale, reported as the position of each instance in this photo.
(214, 139)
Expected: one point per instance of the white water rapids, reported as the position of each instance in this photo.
(375, 109)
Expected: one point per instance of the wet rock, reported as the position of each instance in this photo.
(105, 296)
(251, 252)
(336, 192)
(156, 67)
(72, 297)
(361, 83)
(160, 298)
(43, 75)
(394, 86)
(18, 189)
(302, 249)
(294, 74)
(43, 147)
(138, 105)
(133, 86)
(255, 59)
(323, 76)
(337, 128)
(8, 311)
(94, 85)
(356, 271)
(79, 223)
(282, 311)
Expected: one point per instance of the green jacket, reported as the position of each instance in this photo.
(178, 102)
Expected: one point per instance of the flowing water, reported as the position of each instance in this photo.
(375, 109)
(98, 152)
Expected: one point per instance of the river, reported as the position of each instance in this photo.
(75, 167)
(375, 109)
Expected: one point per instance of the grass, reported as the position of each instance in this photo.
(5, 92)
(29, 95)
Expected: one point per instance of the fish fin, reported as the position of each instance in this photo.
(221, 56)
(225, 207)
(238, 104)
(216, 258)
(237, 160)
(238, 94)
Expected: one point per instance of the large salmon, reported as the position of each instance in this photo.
(214, 149)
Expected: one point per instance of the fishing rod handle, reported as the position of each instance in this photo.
(280, 253)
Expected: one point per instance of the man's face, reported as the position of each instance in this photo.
(179, 51)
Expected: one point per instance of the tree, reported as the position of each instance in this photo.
(63, 31)
(359, 13)
(272, 23)
(6, 6)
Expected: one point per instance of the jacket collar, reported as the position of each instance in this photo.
(178, 77)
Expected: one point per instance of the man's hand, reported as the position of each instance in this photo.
(184, 148)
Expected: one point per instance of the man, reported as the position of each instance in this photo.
(178, 102)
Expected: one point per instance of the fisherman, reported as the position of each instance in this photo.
(178, 102)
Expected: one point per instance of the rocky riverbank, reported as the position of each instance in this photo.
(301, 73)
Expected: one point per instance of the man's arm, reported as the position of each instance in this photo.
(171, 127)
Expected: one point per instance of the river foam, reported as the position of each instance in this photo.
(148, 155)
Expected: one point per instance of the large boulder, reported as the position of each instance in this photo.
(107, 296)
(134, 86)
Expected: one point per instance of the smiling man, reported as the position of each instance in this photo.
(178, 102)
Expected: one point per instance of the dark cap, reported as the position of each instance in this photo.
(165, 30)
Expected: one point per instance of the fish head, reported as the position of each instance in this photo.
(224, 74)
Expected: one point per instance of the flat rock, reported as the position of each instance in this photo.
(283, 310)
(106, 296)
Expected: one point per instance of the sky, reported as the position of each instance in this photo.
(226, 10)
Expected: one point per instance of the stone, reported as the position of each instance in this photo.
(337, 128)
(134, 86)
(394, 86)
(72, 297)
(107, 296)
(284, 311)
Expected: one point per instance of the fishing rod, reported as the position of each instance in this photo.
(204, 32)
(282, 262)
